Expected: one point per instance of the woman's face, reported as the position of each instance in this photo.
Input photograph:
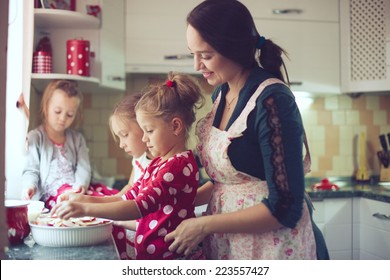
(215, 68)
(130, 136)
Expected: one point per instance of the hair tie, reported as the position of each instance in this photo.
(170, 83)
(260, 42)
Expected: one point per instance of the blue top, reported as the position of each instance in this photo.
(271, 148)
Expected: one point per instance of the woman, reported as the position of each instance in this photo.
(251, 145)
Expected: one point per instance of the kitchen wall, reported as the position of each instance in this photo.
(332, 124)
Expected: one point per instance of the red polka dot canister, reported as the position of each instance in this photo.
(77, 57)
(41, 62)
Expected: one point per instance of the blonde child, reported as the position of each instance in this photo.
(126, 131)
(128, 134)
(57, 155)
(164, 195)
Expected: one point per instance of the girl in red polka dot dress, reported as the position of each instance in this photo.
(164, 195)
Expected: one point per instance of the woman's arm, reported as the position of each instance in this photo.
(191, 232)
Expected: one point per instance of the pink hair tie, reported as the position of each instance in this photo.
(170, 83)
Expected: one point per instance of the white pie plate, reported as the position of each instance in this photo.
(71, 236)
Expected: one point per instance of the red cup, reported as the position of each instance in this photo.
(17, 220)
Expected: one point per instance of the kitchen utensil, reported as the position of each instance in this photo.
(77, 57)
(388, 137)
(17, 220)
(51, 236)
(325, 185)
(382, 139)
(384, 158)
(362, 172)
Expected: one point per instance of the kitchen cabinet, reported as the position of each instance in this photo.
(156, 36)
(333, 217)
(106, 37)
(372, 228)
(365, 46)
(155, 31)
(309, 32)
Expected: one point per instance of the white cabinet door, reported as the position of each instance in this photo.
(112, 46)
(304, 10)
(155, 36)
(374, 225)
(334, 218)
(313, 57)
(365, 46)
(19, 63)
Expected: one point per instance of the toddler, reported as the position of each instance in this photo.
(57, 155)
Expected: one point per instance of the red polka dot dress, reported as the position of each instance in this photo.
(165, 196)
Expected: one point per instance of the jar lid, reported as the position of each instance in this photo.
(42, 53)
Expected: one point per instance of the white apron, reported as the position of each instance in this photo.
(234, 190)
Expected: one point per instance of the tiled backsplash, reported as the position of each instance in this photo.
(332, 125)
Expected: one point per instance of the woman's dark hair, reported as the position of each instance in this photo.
(228, 27)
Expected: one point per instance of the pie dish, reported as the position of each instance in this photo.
(85, 231)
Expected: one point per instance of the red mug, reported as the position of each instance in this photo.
(17, 220)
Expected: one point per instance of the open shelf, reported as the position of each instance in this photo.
(53, 18)
(40, 81)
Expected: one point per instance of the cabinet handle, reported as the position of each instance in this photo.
(115, 78)
(286, 11)
(296, 83)
(179, 56)
(381, 216)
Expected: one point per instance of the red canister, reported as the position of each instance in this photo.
(41, 62)
(17, 220)
(78, 52)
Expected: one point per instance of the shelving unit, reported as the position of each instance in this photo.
(62, 25)
(64, 19)
(40, 81)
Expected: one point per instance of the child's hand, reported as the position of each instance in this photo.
(28, 193)
(79, 189)
(71, 196)
(68, 209)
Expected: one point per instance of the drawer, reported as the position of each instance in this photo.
(375, 214)
(305, 10)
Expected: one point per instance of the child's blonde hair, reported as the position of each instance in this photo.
(71, 89)
(180, 96)
(124, 111)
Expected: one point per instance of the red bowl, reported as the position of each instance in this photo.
(17, 220)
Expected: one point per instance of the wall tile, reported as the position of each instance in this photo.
(332, 124)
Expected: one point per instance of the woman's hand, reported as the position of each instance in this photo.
(187, 236)
(68, 209)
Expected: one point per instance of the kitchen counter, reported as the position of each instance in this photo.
(348, 188)
(102, 251)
